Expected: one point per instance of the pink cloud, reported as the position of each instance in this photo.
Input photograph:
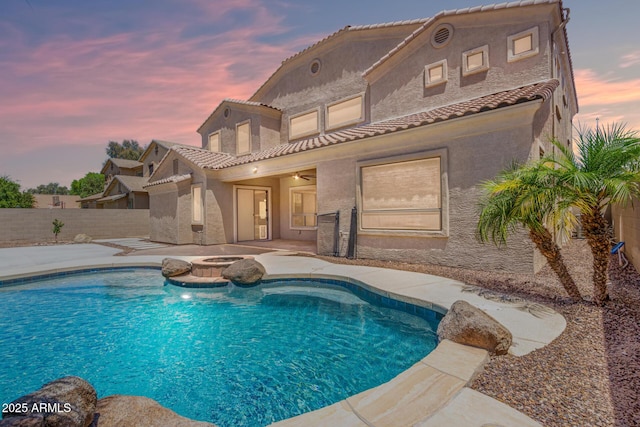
(594, 89)
(142, 85)
(630, 59)
(607, 99)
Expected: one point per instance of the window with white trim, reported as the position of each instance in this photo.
(304, 124)
(346, 112)
(214, 142)
(403, 195)
(475, 60)
(523, 45)
(197, 205)
(243, 138)
(303, 207)
(436, 73)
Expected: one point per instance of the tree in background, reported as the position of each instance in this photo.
(50, 188)
(129, 149)
(12, 197)
(92, 183)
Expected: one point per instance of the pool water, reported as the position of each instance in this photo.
(232, 356)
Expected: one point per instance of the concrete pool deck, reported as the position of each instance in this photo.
(431, 393)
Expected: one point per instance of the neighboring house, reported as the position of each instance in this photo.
(90, 202)
(125, 192)
(153, 154)
(126, 167)
(56, 201)
(401, 121)
(125, 180)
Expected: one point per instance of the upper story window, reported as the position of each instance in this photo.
(243, 138)
(150, 169)
(475, 60)
(214, 142)
(522, 45)
(435, 74)
(345, 112)
(304, 124)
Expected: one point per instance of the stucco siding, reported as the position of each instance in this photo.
(626, 225)
(164, 220)
(402, 89)
(469, 159)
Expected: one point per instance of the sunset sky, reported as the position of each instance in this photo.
(76, 74)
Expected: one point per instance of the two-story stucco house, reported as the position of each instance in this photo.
(125, 180)
(400, 120)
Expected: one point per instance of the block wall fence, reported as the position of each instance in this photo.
(626, 226)
(35, 225)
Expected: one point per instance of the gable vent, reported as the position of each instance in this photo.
(441, 35)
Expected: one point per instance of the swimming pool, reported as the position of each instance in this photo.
(232, 356)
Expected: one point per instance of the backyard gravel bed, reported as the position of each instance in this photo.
(589, 375)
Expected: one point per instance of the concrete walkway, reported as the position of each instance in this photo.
(431, 393)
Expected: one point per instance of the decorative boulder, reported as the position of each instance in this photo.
(175, 267)
(82, 238)
(137, 411)
(468, 325)
(244, 272)
(65, 402)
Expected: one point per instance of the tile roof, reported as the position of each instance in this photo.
(355, 28)
(91, 197)
(173, 178)
(165, 144)
(112, 198)
(429, 21)
(211, 160)
(132, 183)
(125, 163)
(542, 90)
(204, 158)
(331, 36)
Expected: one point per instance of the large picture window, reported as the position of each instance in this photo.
(402, 196)
(303, 207)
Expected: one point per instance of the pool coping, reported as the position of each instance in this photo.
(433, 392)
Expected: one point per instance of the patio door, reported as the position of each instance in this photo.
(252, 210)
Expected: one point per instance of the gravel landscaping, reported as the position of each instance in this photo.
(590, 375)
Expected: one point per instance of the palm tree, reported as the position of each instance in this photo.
(606, 171)
(527, 196)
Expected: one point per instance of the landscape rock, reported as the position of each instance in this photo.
(175, 267)
(82, 238)
(65, 402)
(244, 272)
(30, 421)
(137, 411)
(468, 325)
